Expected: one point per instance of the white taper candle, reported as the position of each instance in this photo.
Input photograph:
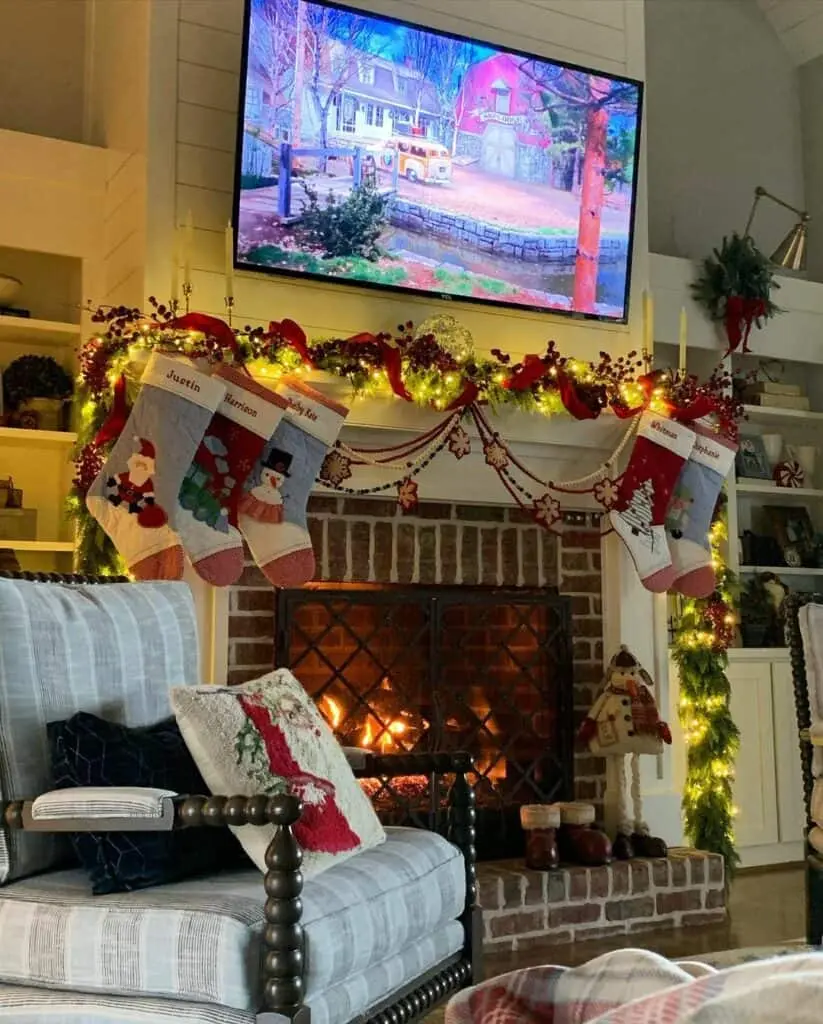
(229, 261)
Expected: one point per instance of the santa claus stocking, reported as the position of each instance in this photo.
(660, 449)
(134, 497)
(206, 518)
(273, 507)
(689, 517)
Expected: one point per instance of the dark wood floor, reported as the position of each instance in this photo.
(766, 908)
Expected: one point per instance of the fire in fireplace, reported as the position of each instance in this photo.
(410, 668)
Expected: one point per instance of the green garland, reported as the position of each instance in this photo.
(705, 630)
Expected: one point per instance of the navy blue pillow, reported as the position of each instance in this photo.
(89, 751)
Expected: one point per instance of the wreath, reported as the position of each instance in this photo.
(735, 287)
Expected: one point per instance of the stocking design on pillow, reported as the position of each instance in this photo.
(323, 826)
(267, 737)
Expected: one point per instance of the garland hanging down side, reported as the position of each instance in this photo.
(705, 630)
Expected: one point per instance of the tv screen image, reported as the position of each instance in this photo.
(375, 152)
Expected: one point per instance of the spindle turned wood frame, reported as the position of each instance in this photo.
(814, 861)
(283, 938)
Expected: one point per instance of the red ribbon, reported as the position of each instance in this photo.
(741, 313)
(391, 358)
(527, 373)
(209, 325)
(294, 335)
(466, 397)
(570, 397)
(700, 407)
(118, 414)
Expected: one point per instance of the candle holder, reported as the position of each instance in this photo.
(229, 303)
(187, 290)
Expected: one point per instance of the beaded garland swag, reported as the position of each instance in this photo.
(437, 367)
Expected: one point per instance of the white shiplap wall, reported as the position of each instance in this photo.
(606, 34)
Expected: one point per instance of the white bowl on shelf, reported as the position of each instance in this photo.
(9, 288)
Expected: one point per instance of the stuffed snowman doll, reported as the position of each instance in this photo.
(625, 721)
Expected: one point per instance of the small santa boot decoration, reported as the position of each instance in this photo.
(578, 840)
(625, 721)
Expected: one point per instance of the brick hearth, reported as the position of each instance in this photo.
(574, 904)
(368, 540)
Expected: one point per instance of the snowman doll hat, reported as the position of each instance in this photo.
(279, 461)
(625, 661)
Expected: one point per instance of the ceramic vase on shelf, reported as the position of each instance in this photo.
(773, 444)
(806, 455)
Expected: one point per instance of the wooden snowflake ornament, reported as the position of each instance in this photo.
(407, 495)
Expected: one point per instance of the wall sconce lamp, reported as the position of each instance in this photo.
(791, 253)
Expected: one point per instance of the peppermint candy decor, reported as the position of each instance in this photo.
(789, 474)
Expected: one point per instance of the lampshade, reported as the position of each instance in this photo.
(791, 253)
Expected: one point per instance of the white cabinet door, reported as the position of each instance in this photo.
(755, 789)
(790, 811)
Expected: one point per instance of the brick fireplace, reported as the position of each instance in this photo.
(474, 548)
(367, 546)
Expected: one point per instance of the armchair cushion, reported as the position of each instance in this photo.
(267, 736)
(88, 751)
(112, 650)
(371, 923)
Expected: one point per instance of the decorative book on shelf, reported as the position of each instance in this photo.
(773, 395)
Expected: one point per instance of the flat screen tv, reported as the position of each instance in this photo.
(376, 152)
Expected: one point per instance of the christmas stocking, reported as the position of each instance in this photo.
(690, 514)
(206, 518)
(134, 497)
(273, 506)
(660, 449)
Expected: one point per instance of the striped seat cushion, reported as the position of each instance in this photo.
(340, 1005)
(199, 940)
(112, 650)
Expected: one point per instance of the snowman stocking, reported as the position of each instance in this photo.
(273, 507)
(206, 518)
(134, 497)
(689, 518)
(660, 449)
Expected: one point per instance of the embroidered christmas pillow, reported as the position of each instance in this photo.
(267, 736)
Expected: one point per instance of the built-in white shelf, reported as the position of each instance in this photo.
(45, 546)
(758, 653)
(766, 414)
(38, 332)
(766, 487)
(37, 438)
(779, 570)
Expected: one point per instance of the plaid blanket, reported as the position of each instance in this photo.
(631, 986)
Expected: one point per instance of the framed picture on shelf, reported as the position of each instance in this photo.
(793, 529)
(751, 462)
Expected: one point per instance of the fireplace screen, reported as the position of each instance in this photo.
(440, 669)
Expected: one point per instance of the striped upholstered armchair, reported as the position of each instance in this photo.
(381, 937)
